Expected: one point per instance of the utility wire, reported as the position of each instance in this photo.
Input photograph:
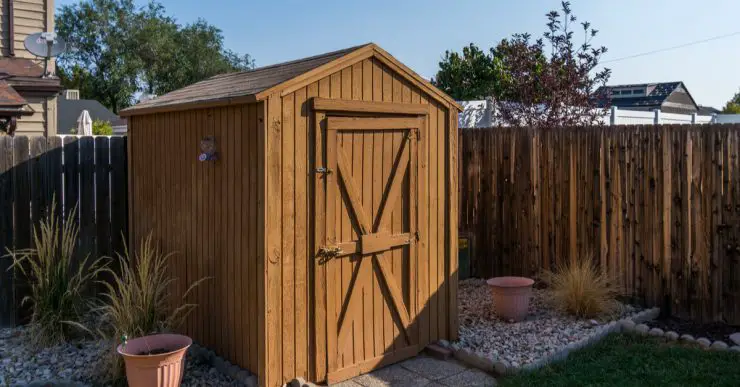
(673, 47)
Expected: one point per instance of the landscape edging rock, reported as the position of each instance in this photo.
(502, 367)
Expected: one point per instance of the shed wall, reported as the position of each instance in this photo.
(290, 321)
(209, 213)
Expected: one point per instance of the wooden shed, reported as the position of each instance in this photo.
(320, 196)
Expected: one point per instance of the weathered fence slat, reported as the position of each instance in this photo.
(89, 172)
(656, 206)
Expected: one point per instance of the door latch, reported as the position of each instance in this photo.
(323, 171)
(328, 252)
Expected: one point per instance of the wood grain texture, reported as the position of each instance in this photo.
(652, 206)
(255, 218)
(207, 213)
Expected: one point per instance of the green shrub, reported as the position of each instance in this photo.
(582, 290)
(102, 128)
(58, 284)
(136, 301)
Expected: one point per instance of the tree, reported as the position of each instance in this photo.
(102, 55)
(531, 86)
(472, 75)
(118, 50)
(556, 89)
(733, 105)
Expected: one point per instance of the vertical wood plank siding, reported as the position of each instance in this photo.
(290, 151)
(655, 206)
(208, 214)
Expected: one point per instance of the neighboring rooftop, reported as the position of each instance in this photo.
(69, 110)
(669, 97)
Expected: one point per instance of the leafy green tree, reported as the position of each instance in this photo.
(102, 128)
(101, 56)
(471, 75)
(733, 105)
(118, 50)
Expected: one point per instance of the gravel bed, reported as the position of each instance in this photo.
(542, 333)
(77, 361)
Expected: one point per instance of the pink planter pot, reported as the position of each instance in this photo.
(157, 370)
(511, 296)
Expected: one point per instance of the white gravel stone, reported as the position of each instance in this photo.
(703, 342)
(78, 361)
(688, 338)
(671, 335)
(642, 329)
(735, 338)
(628, 325)
(656, 332)
(735, 348)
(719, 345)
(544, 332)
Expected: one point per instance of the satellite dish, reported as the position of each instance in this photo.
(45, 45)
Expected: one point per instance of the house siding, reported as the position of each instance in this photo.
(30, 16)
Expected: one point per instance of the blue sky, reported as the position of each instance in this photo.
(418, 32)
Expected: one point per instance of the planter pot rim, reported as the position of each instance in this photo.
(186, 343)
(510, 282)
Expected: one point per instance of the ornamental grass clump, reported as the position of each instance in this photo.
(137, 300)
(58, 282)
(582, 290)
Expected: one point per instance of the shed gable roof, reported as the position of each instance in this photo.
(257, 84)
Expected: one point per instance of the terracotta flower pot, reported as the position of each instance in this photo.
(511, 296)
(156, 361)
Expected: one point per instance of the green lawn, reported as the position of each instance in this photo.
(629, 360)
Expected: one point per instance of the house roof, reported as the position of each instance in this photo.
(708, 110)
(10, 97)
(657, 94)
(258, 83)
(68, 111)
(27, 75)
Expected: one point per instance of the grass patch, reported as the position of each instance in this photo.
(630, 360)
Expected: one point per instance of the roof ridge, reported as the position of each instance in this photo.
(294, 61)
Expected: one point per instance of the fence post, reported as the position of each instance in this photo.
(613, 116)
(656, 120)
(693, 118)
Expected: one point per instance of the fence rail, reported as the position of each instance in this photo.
(86, 171)
(656, 206)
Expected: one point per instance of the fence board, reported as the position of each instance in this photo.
(656, 206)
(7, 286)
(84, 171)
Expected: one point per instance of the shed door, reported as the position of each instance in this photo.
(366, 232)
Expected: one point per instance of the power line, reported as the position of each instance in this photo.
(673, 47)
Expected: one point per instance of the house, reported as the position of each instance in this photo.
(708, 110)
(265, 177)
(71, 106)
(668, 97)
(28, 102)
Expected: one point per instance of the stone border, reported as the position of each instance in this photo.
(502, 367)
(207, 356)
(702, 342)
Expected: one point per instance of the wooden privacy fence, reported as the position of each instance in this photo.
(658, 207)
(88, 171)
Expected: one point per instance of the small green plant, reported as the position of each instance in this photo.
(582, 290)
(102, 128)
(58, 283)
(137, 300)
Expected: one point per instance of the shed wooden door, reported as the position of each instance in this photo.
(366, 233)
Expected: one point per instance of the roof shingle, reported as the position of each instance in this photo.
(245, 83)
